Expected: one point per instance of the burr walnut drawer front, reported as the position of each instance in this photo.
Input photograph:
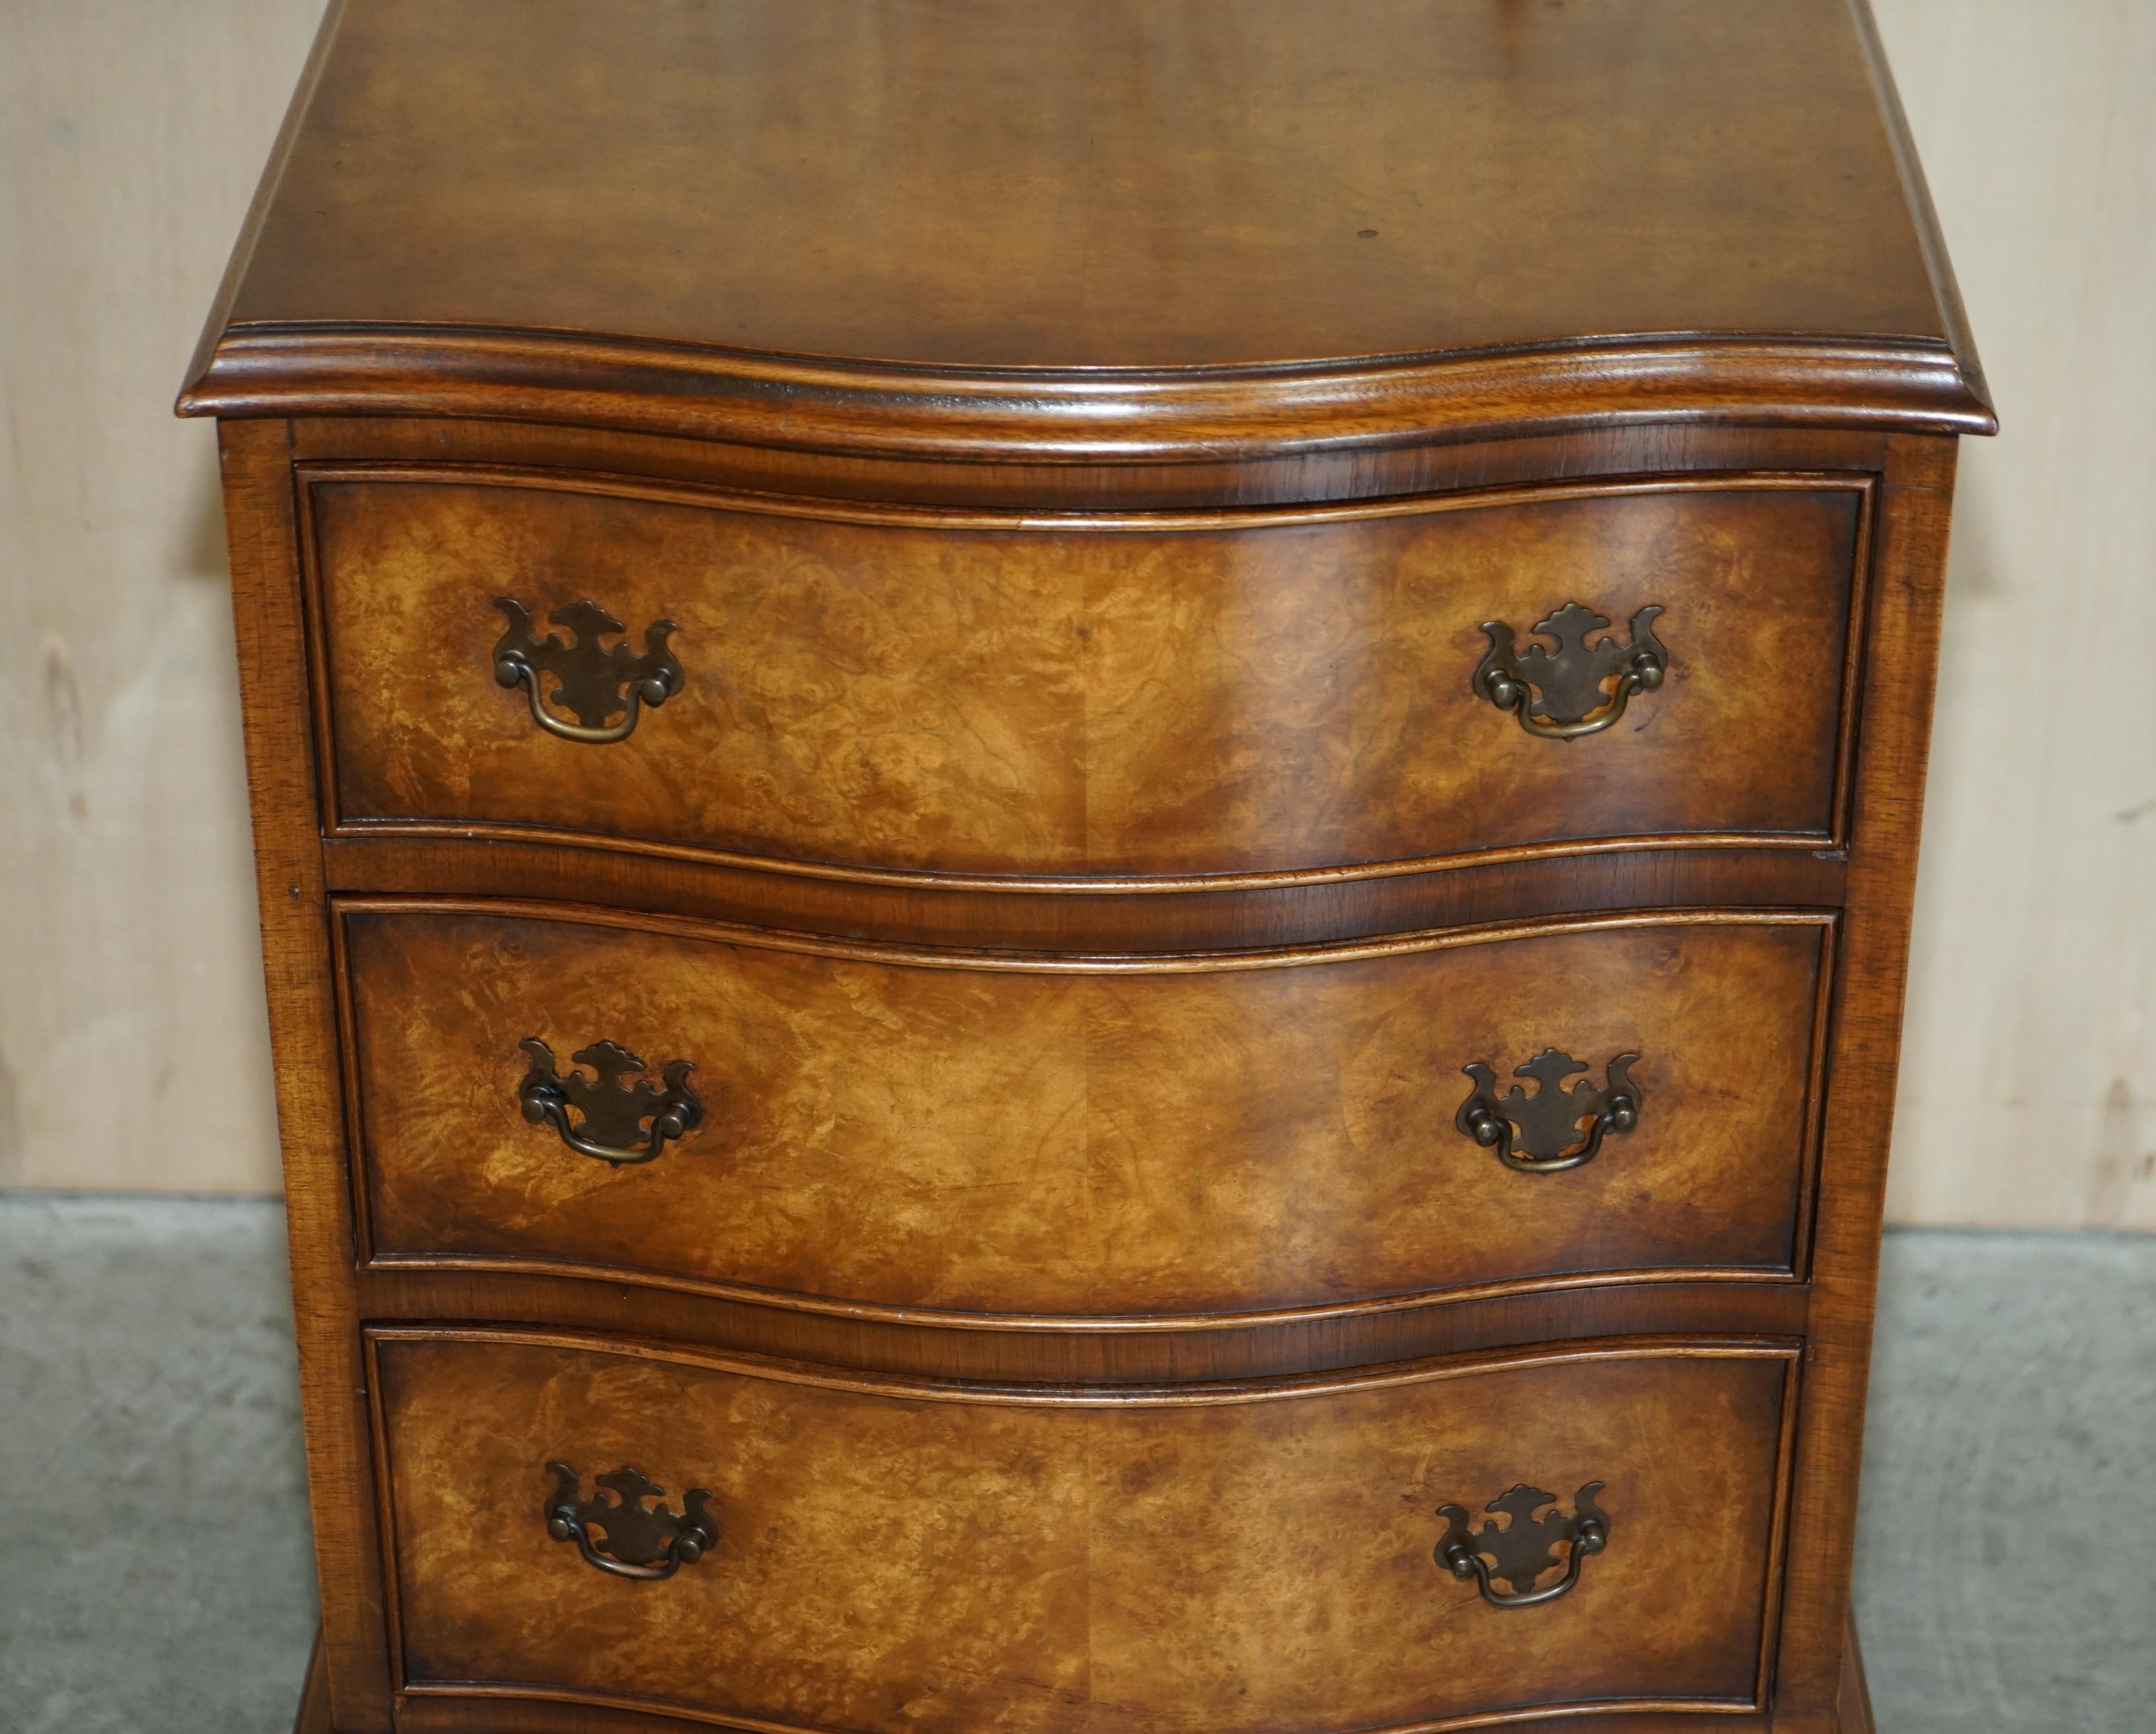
(774, 1545)
(849, 1128)
(876, 690)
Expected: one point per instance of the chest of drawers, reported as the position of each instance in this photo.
(1086, 836)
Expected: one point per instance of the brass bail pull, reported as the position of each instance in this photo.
(596, 682)
(625, 1528)
(1542, 1133)
(613, 1115)
(1579, 688)
(1525, 1548)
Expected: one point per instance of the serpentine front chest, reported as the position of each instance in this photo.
(1085, 839)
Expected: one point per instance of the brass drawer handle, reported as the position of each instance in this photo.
(1519, 1553)
(1560, 694)
(634, 1539)
(1541, 1133)
(613, 1109)
(590, 679)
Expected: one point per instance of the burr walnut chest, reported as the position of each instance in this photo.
(1086, 836)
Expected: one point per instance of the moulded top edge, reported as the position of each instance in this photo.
(1082, 413)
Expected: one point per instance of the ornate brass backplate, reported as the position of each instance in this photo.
(1579, 688)
(1542, 1133)
(614, 1103)
(1525, 1547)
(594, 680)
(623, 1534)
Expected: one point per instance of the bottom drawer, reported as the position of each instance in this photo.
(881, 1554)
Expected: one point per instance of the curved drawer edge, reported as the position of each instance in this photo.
(629, 1714)
(1157, 1394)
(1081, 1323)
(1817, 843)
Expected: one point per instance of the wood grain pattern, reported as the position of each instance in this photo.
(1422, 221)
(1806, 1644)
(1874, 951)
(911, 1133)
(1194, 620)
(936, 697)
(1155, 203)
(909, 1556)
(1200, 1351)
(1349, 409)
(1024, 486)
(1017, 916)
(259, 521)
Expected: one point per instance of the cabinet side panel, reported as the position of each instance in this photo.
(282, 786)
(1894, 735)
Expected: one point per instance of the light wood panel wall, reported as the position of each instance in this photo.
(133, 1050)
(131, 1045)
(2029, 1070)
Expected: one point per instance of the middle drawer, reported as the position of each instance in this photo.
(972, 1138)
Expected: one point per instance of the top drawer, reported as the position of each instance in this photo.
(873, 690)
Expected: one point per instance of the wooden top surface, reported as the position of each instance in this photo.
(1253, 189)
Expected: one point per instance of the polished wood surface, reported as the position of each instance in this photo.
(902, 1556)
(1089, 1354)
(1833, 1312)
(935, 1133)
(923, 692)
(1854, 1706)
(260, 526)
(1077, 851)
(1110, 185)
(1874, 962)
(964, 188)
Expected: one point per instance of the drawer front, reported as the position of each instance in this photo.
(901, 1556)
(949, 1135)
(904, 692)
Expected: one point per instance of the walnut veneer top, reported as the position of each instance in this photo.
(972, 186)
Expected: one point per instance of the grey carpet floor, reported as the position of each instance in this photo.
(154, 1574)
